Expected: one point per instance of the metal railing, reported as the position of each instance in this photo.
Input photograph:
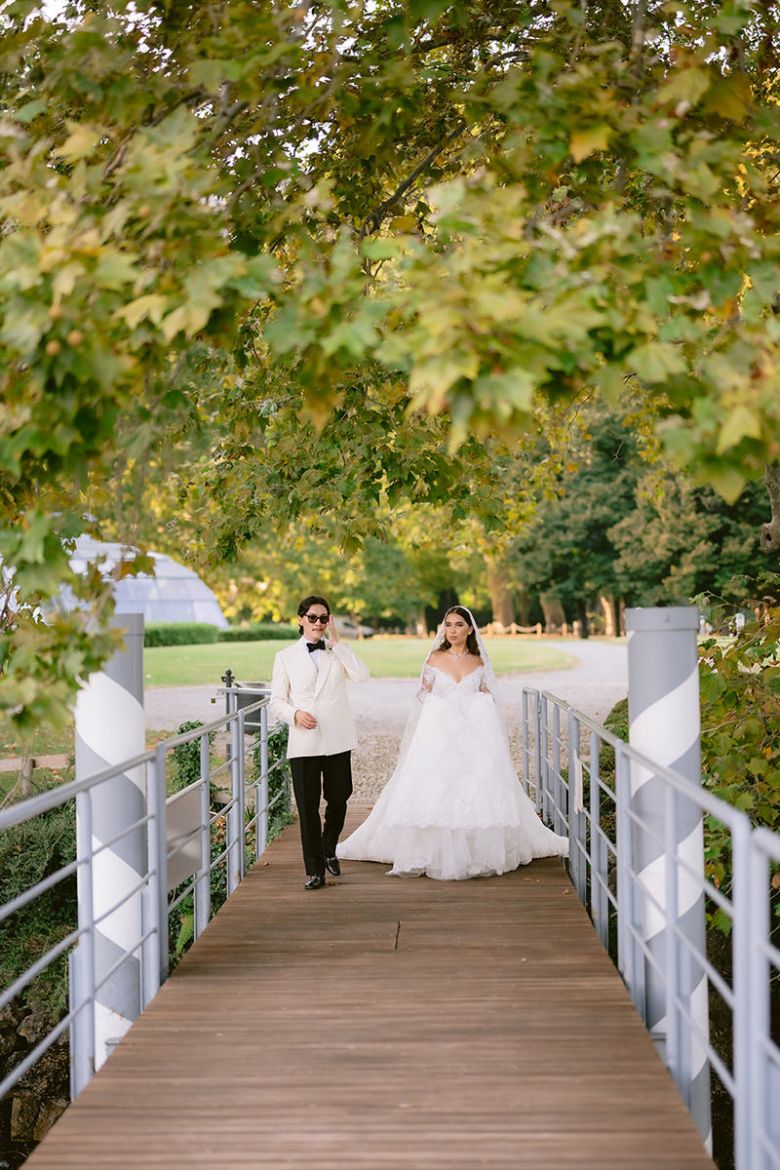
(202, 835)
(580, 776)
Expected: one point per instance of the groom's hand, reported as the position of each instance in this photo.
(333, 633)
(305, 719)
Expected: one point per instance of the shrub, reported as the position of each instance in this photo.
(179, 633)
(279, 779)
(187, 757)
(740, 689)
(262, 632)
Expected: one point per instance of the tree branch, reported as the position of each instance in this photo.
(770, 533)
(117, 158)
(374, 220)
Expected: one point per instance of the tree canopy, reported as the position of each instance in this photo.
(332, 255)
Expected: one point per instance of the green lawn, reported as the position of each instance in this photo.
(169, 666)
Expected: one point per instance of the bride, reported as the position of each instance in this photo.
(454, 807)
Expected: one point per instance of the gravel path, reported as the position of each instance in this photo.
(593, 685)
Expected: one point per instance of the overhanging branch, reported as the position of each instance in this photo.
(770, 533)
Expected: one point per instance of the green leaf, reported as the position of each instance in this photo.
(24, 325)
(382, 249)
(114, 268)
(210, 73)
(728, 481)
(656, 361)
(687, 85)
(30, 111)
(741, 423)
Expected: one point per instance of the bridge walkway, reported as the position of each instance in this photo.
(384, 1023)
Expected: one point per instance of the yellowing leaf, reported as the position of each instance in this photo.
(584, 142)
(730, 97)
(65, 279)
(151, 306)
(741, 423)
(727, 481)
(81, 141)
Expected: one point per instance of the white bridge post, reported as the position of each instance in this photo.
(664, 725)
(110, 728)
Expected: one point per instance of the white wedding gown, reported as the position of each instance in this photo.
(454, 807)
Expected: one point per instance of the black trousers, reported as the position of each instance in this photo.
(314, 777)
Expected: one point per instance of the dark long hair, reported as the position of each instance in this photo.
(471, 638)
(303, 608)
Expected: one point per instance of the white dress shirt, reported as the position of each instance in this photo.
(314, 655)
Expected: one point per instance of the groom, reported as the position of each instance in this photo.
(309, 692)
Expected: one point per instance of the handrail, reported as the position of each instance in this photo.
(562, 750)
(193, 845)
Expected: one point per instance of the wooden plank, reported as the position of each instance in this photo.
(385, 1023)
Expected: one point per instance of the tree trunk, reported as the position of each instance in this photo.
(607, 608)
(523, 602)
(500, 594)
(25, 777)
(610, 608)
(416, 624)
(554, 616)
(770, 533)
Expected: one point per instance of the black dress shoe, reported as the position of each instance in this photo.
(332, 865)
(315, 882)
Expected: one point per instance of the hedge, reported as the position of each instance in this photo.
(179, 633)
(261, 632)
(188, 633)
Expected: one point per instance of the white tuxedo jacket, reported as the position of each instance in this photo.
(297, 685)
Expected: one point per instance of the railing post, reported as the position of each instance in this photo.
(261, 832)
(110, 728)
(158, 857)
(233, 819)
(526, 743)
(577, 858)
(81, 961)
(203, 876)
(538, 749)
(627, 958)
(664, 722)
(599, 864)
(677, 1027)
(761, 1096)
(543, 761)
(241, 796)
(742, 957)
(557, 786)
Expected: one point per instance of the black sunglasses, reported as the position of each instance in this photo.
(317, 617)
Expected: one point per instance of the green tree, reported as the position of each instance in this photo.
(430, 223)
(566, 554)
(681, 540)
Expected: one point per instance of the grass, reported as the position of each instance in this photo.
(169, 666)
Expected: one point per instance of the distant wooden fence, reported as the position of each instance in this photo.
(497, 630)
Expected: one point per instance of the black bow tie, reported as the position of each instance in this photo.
(315, 645)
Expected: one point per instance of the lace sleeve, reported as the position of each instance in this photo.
(426, 682)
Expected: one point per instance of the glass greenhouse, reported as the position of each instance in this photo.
(174, 594)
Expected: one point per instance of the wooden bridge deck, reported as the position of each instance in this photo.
(385, 1023)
